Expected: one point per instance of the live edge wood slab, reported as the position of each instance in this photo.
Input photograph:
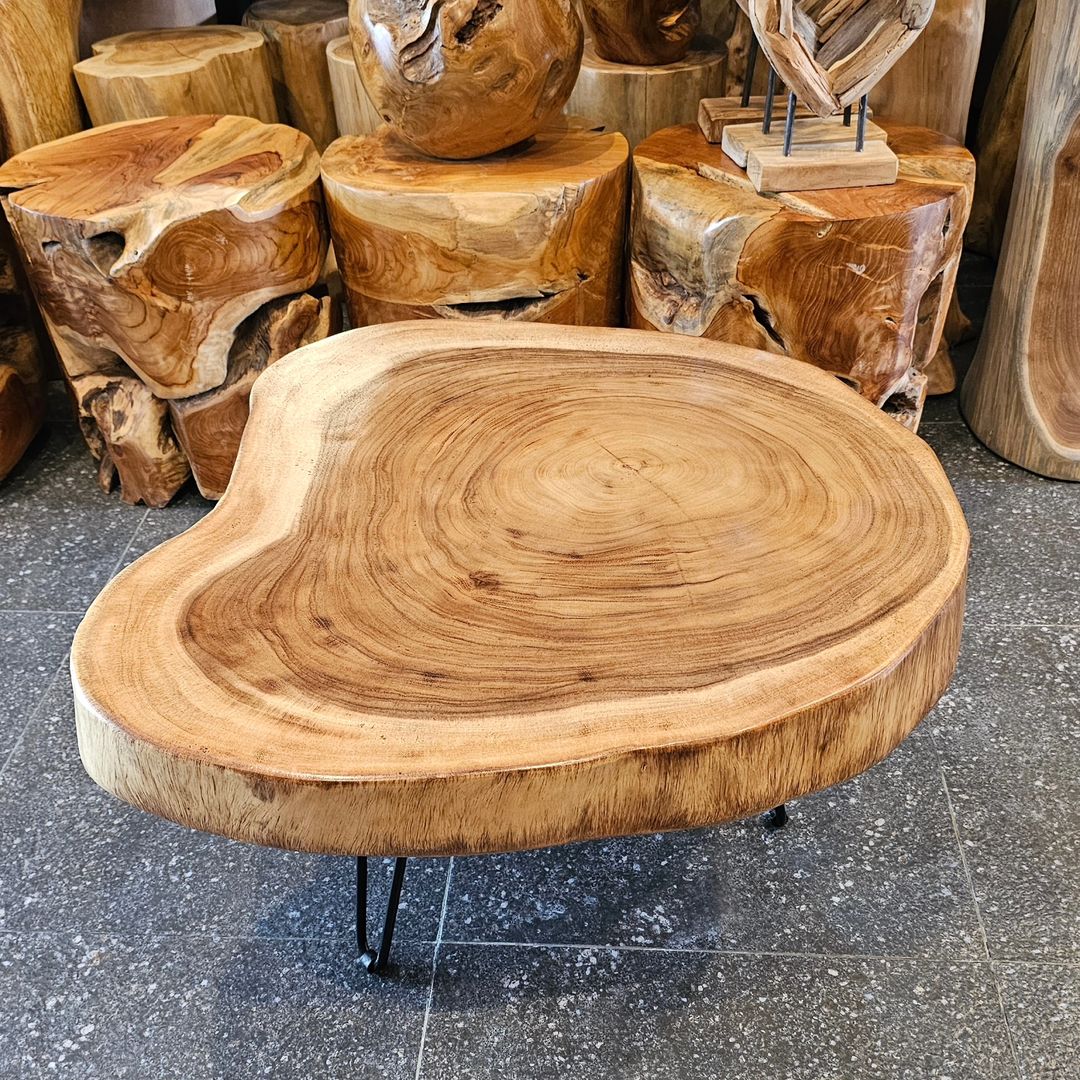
(492, 587)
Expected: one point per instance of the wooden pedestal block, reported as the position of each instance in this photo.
(178, 72)
(297, 33)
(1022, 394)
(853, 280)
(355, 113)
(149, 244)
(638, 100)
(533, 234)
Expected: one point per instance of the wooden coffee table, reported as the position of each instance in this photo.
(489, 587)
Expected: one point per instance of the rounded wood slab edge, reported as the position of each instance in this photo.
(259, 760)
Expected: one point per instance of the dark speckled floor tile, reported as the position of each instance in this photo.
(539, 1014)
(204, 1009)
(32, 647)
(1042, 1004)
(870, 867)
(75, 859)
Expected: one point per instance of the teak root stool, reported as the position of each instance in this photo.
(638, 99)
(856, 281)
(297, 33)
(534, 233)
(353, 110)
(160, 251)
(489, 588)
(177, 72)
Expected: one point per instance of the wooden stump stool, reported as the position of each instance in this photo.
(853, 280)
(297, 33)
(638, 100)
(534, 233)
(353, 109)
(157, 249)
(178, 72)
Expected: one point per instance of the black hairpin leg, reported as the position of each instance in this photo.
(770, 97)
(789, 126)
(376, 961)
(777, 818)
(860, 131)
(847, 116)
(751, 63)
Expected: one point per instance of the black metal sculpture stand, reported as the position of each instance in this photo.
(376, 961)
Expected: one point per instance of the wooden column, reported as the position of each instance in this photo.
(1022, 395)
(533, 234)
(353, 109)
(640, 99)
(178, 72)
(297, 33)
(149, 245)
(852, 280)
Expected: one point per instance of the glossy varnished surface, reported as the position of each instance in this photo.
(511, 586)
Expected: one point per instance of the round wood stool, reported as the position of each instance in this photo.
(352, 107)
(530, 234)
(483, 588)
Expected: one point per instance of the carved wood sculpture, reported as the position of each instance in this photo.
(642, 32)
(353, 110)
(577, 603)
(149, 244)
(465, 78)
(297, 33)
(639, 100)
(832, 52)
(534, 233)
(998, 138)
(178, 72)
(1022, 394)
(855, 281)
(38, 102)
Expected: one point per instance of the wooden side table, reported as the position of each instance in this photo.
(480, 588)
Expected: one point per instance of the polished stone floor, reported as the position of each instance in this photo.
(922, 921)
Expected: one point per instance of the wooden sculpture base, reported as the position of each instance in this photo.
(531, 234)
(639, 100)
(157, 249)
(355, 113)
(714, 114)
(855, 280)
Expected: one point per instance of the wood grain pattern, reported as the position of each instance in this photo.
(510, 586)
(534, 233)
(297, 33)
(150, 242)
(642, 32)
(1022, 394)
(856, 281)
(466, 78)
(353, 110)
(638, 100)
(831, 52)
(107, 18)
(715, 114)
(178, 72)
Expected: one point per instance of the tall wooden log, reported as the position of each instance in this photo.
(534, 233)
(1022, 395)
(462, 80)
(178, 72)
(853, 280)
(642, 32)
(297, 33)
(353, 110)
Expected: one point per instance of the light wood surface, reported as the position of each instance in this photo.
(831, 52)
(150, 242)
(853, 280)
(638, 100)
(489, 588)
(642, 31)
(178, 72)
(534, 233)
(461, 79)
(297, 33)
(107, 18)
(931, 84)
(997, 142)
(353, 110)
(714, 114)
(1022, 394)
(816, 166)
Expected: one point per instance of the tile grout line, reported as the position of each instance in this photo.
(434, 969)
